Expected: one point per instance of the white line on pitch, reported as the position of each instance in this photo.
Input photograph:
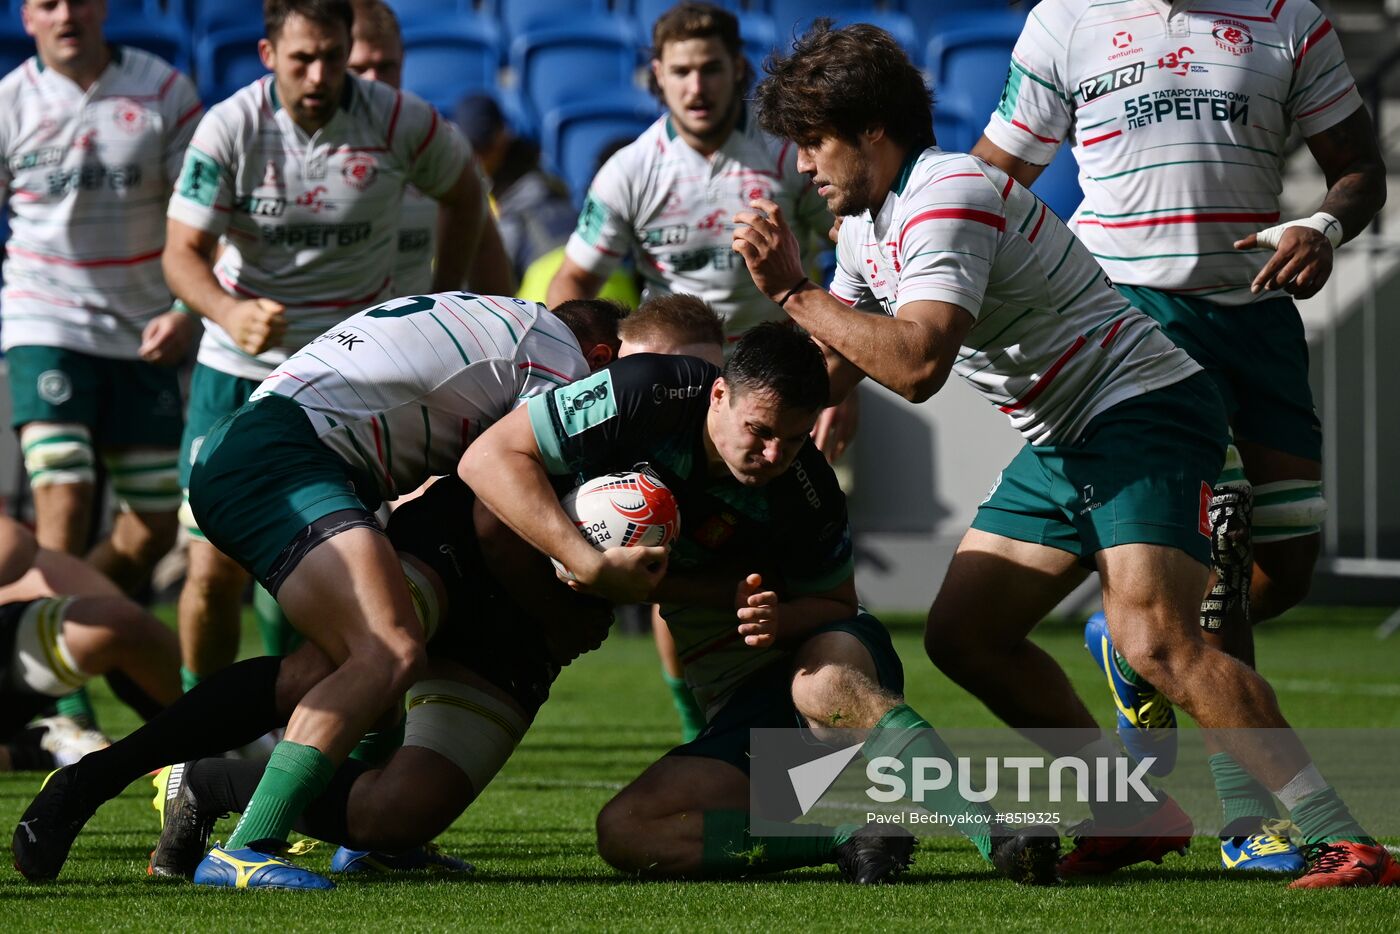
(1336, 687)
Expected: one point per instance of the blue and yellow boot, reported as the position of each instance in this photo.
(1146, 720)
(429, 856)
(1267, 850)
(251, 869)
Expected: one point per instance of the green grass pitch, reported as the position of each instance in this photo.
(531, 833)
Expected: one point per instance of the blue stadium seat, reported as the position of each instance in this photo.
(1058, 185)
(898, 25)
(426, 11)
(226, 60)
(448, 58)
(518, 16)
(212, 15)
(788, 13)
(577, 131)
(967, 66)
(161, 37)
(558, 63)
(931, 17)
(760, 37)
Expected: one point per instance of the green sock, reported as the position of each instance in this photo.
(692, 717)
(1127, 671)
(1322, 817)
(376, 746)
(188, 679)
(1244, 801)
(904, 735)
(78, 707)
(295, 774)
(731, 850)
(278, 636)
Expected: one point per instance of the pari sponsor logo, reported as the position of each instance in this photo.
(1066, 778)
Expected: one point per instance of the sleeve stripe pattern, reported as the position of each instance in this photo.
(1323, 106)
(1278, 8)
(85, 263)
(956, 214)
(1044, 139)
(1221, 217)
(1311, 41)
(432, 129)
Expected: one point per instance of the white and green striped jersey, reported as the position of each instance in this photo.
(413, 264)
(402, 388)
(1178, 114)
(1053, 344)
(310, 221)
(87, 175)
(672, 210)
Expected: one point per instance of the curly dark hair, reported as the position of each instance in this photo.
(845, 81)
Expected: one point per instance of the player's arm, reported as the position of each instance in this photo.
(1024, 172)
(18, 549)
(506, 469)
(188, 262)
(573, 281)
(1351, 161)
(911, 354)
(766, 620)
(491, 272)
(460, 222)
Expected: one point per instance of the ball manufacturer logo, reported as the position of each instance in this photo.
(1232, 36)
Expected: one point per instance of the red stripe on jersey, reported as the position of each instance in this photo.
(311, 386)
(532, 365)
(1112, 332)
(1021, 126)
(85, 263)
(1041, 220)
(844, 301)
(1047, 379)
(166, 86)
(1100, 139)
(193, 111)
(1277, 7)
(1322, 107)
(1311, 41)
(1250, 19)
(1006, 192)
(944, 178)
(1220, 217)
(953, 214)
(432, 129)
(513, 315)
(379, 452)
(394, 119)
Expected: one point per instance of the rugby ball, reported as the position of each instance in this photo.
(622, 509)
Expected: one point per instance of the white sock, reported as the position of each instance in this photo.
(1306, 783)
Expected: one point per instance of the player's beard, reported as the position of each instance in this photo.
(719, 132)
(853, 197)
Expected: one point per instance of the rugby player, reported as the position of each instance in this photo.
(763, 517)
(968, 270)
(300, 176)
(377, 405)
(1181, 139)
(91, 140)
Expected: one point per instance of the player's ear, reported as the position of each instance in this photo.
(267, 54)
(599, 356)
(872, 134)
(718, 390)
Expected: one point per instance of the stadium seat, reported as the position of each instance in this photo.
(931, 18)
(760, 37)
(421, 12)
(967, 66)
(898, 25)
(519, 16)
(448, 58)
(1058, 185)
(577, 131)
(788, 13)
(212, 15)
(226, 60)
(161, 37)
(558, 63)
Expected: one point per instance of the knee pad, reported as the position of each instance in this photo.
(1232, 474)
(145, 481)
(57, 453)
(475, 731)
(1288, 509)
(42, 660)
(425, 598)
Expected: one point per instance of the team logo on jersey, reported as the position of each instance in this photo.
(130, 117)
(360, 171)
(1110, 81)
(757, 193)
(314, 200)
(55, 387)
(1123, 42)
(1232, 36)
(272, 178)
(716, 530)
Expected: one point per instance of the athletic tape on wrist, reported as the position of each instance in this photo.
(1325, 224)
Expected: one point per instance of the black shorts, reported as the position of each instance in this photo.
(18, 704)
(481, 628)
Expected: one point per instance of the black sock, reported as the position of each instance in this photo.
(225, 786)
(26, 753)
(131, 694)
(230, 708)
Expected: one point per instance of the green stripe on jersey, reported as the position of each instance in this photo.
(460, 352)
(1068, 246)
(1163, 165)
(55, 439)
(1185, 207)
(1092, 279)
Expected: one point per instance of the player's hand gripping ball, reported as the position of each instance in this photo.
(622, 509)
